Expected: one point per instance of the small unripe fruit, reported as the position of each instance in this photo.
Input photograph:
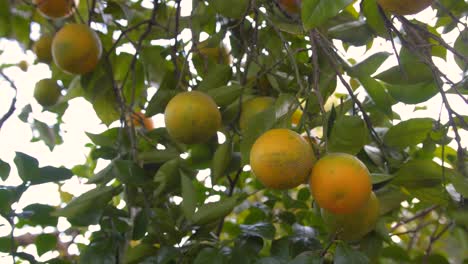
(47, 92)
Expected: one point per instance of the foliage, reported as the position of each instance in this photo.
(175, 212)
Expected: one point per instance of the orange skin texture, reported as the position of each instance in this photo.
(354, 226)
(42, 48)
(253, 107)
(192, 117)
(340, 183)
(291, 6)
(281, 159)
(140, 119)
(76, 49)
(55, 8)
(404, 7)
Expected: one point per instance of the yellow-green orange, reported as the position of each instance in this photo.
(340, 183)
(47, 92)
(281, 159)
(43, 49)
(55, 8)
(253, 107)
(76, 49)
(404, 7)
(353, 226)
(192, 117)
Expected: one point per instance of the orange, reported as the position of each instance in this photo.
(340, 183)
(253, 107)
(296, 117)
(290, 6)
(353, 226)
(404, 7)
(281, 159)
(23, 65)
(217, 53)
(140, 120)
(55, 8)
(42, 48)
(76, 49)
(47, 92)
(192, 117)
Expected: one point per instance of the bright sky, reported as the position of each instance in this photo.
(16, 135)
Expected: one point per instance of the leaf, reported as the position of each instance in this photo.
(344, 254)
(379, 178)
(460, 183)
(38, 215)
(158, 156)
(316, 12)
(349, 135)
(52, 174)
(390, 198)
(45, 243)
(87, 208)
(357, 33)
(154, 63)
(408, 133)
(101, 251)
(130, 173)
(370, 65)
(4, 170)
(373, 17)
(27, 166)
(264, 230)
(189, 196)
(306, 258)
(419, 174)
(209, 255)
(210, 212)
(226, 8)
(378, 94)
(5, 18)
(138, 253)
(50, 135)
(412, 93)
(103, 176)
(216, 77)
(221, 160)
(461, 45)
(5, 243)
(225, 95)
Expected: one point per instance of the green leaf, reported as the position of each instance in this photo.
(264, 230)
(189, 196)
(27, 166)
(390, 198)
(158, 156)
(229, 10)
(378, 94)
(52, 174)
(103, 176)
(461, 45)
(460, 183)
(344, 254)
(373, 17)
(379, 178)
(221, 159)
(38, 215)
(356, 33)
(5, 244)
(87, 208)
(50, 135)
(210, 212)
(101, 251)
(135, 255)
(130, 173)
(349, 135)
(412, 93)
(370, 65)
(167, 176)
(154, 63)
(5, 18)
(316, 12)
(218, 75)
(45, 243)
(225, 95)
(4, 170)
(209, 255)
(306, 258)
(408, 133)
(419, 174)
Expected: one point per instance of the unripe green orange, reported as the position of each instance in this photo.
(47, 92)
(43, 49)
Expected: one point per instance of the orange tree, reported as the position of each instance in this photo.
(155, 202)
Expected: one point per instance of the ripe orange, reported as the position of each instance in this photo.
(340, 183)
(140, 120)
(291, 6)
(253, 107)
(47, 92)
(55, 8)
(42, 47)
(404, 7)
(281, 159)
(192, 117)
(353, 226)
(296, 117)
(76, 49)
